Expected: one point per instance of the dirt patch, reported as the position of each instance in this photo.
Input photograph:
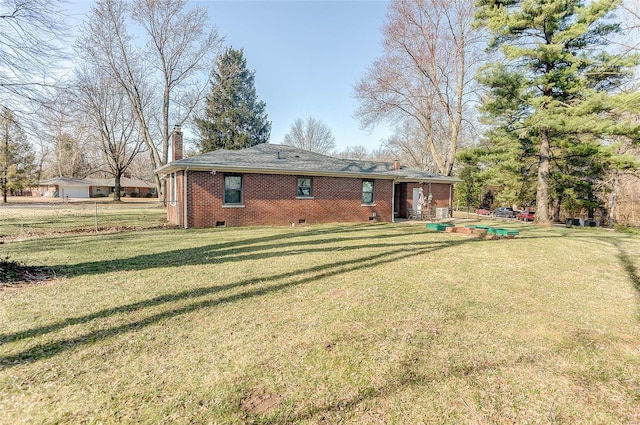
(260, 402)
(14, 274)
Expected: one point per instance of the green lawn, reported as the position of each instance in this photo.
(19, 219)
(354, 324)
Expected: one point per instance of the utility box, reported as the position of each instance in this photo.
(442, 212)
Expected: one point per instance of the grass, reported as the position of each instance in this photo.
(360, 324)
(19, 219)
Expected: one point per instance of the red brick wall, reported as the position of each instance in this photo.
(140, 191)
(271, 200)
(439, 193)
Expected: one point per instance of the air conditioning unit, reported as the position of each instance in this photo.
(442, 212)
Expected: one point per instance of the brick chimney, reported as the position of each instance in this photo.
(396, 164)
(176, 147)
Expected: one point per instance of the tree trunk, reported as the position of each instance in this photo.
(542, 194)
(116, 189)
(4, 180)
(161, 185)
(557, 204)
(614, 199)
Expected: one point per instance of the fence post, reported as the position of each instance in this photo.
(96, 215)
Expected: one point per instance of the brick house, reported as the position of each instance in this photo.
(271, 184)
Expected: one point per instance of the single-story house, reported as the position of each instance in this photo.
(63, 187)
(270, 184)
(135, 187)
(69, 187)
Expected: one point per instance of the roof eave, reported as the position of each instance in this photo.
(170, 168)
(434, 179)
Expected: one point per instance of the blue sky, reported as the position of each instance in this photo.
(307, 57)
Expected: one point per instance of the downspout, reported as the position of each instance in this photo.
(450, 200)
(184, 198)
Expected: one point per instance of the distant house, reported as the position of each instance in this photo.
(271, 184)
(68, 187)
(63, 187)
(135, 187)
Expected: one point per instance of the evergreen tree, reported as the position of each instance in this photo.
(469, 190)
(556, 86)
(233, 118)
(17, 160)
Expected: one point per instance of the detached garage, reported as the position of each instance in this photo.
(73, 192)
(65, 187)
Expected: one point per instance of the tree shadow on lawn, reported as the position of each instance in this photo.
(272, 246)
(408, 373)
(627, 263)
(246, 249)
(295, 278)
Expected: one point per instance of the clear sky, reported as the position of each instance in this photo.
(307, 57)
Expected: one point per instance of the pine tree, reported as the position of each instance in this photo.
(17, 160)
(556, 86)
(233, 118)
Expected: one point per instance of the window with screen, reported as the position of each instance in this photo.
(305, 188)
(233, 189)
(367, 191)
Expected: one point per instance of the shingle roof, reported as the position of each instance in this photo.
(273, 158)
(71, 181)
(66, 181)
(124, 182)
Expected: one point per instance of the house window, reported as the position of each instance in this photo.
(233, 189)
(304, 187)
(367, 191)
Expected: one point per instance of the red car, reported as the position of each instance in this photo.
(526, 215)
(483, 211)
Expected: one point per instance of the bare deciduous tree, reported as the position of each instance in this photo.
(112, 121)
(64, 146)
(159, 79)
(30, 31)
(312, 135)
(425, 75)
(408, 146)
(357, 152)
